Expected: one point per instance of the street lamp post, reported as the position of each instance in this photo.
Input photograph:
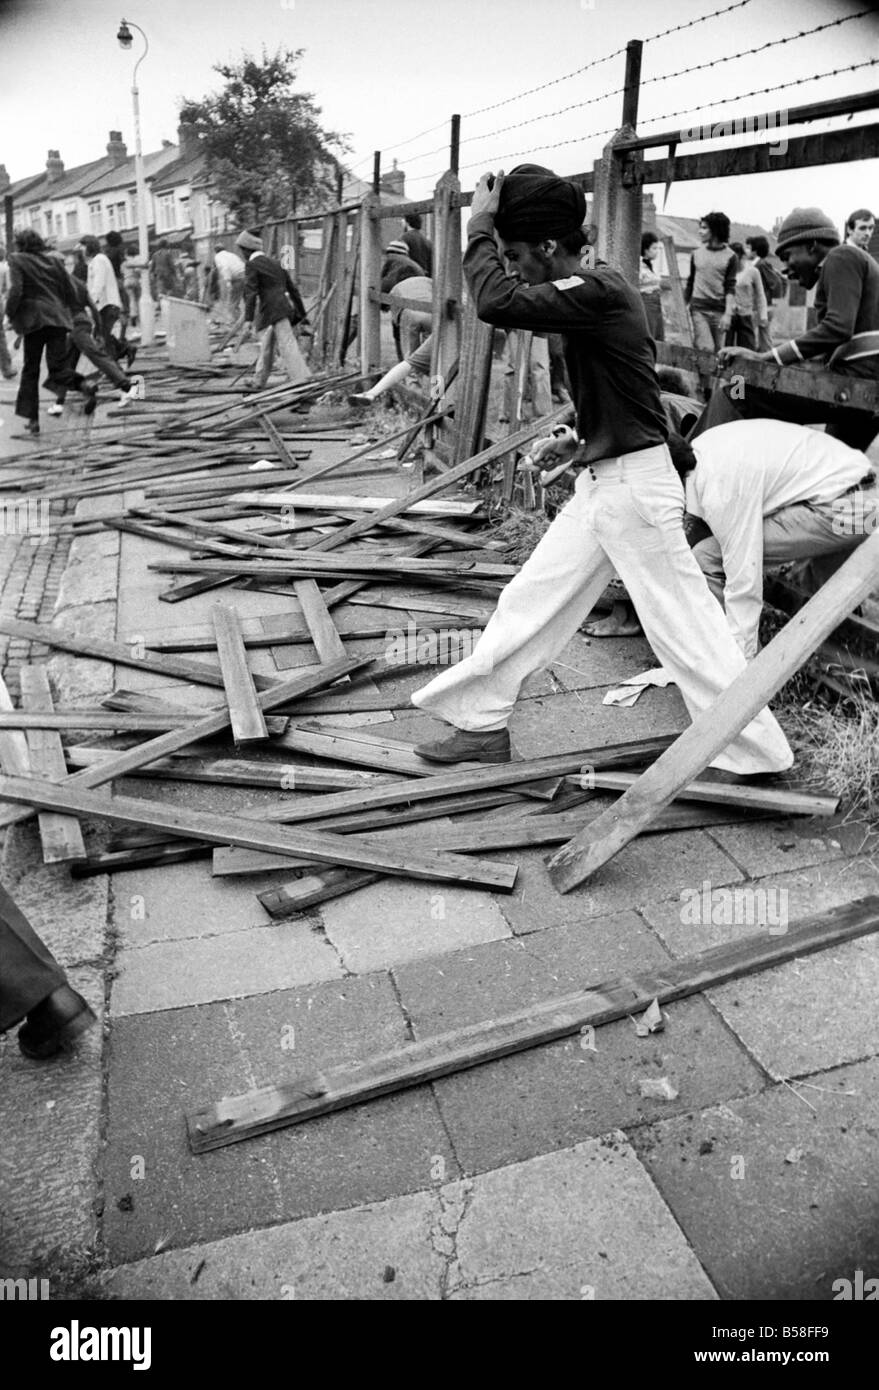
(147, 308)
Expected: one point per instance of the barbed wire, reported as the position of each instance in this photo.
(596, 62)
(661, 77)
(668, 115)
(701, 19)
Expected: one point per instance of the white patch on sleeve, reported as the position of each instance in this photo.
(570, 284)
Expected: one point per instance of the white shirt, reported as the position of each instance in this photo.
(102, 284)
(229, 266)
(747, 470)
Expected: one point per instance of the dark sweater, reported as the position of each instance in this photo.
(420, 249)
(41, 293)
(608, 349)
(846, 303)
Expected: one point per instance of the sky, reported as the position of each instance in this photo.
(390, 73)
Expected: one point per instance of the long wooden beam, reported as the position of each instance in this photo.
(716, 727)
(307, 1095)
(803, 152)
(348, 850)
(763, 121)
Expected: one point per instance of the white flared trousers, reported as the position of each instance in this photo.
(626, 514)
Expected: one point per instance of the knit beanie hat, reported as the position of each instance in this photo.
(248, 242)
(536, 205)
(397, 248)
(804, 225)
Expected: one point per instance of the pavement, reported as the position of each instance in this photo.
(544, 1175)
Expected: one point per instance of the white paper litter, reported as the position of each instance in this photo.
(262, 465)
(651, 1021)
(632, 688)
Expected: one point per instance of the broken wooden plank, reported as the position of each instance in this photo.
(331, 502)
(245, 716)
(486, 776)
(714, 729)
(237, 772)
(778, 800)
(349, 850)
(312, 889)
(324, 634)
(305, 1096)
(60, 836)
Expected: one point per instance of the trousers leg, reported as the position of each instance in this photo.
(85, 344)
(5, 358)
(28, 970)
(266, 359)
(638, 523)
(710, 561)
(537, 615)
(61, 373)
(27, 402)
(291, 354)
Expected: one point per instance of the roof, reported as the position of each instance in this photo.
(180, 171)
(124, 174)
(685, 231)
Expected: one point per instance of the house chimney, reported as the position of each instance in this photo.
(54, 166)
(116, 148)
(5, 180)
(394, 182)
(188, 140)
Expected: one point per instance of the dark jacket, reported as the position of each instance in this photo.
(267, 284)
(420, 249)
(40, 293)
(609, 353)
(846, 303)
(396, 268)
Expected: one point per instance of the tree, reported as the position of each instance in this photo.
(266, 149)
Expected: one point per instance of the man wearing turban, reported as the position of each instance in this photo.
(627, 509)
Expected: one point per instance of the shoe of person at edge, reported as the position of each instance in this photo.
(468, 747)
(56, 1021)
(33, 426)
(56, 409)
(360, 399)
(130, 354)
(90, 395)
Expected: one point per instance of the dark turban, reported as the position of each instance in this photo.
(536, 204)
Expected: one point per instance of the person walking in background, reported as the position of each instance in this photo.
(33, 987)
(859, 228)
(230, 281)
(774, 285)
(650, 285)
(269, 289)
(104, 291)
(398, 266)
(80, 268)
(417, 244)
(5, 358)
(83, 342)
(131, 281)
(116, 257)
(40, 307)
(711, 286)
(752, 311)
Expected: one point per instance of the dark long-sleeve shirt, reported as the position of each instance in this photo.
(846, 303)
(608, 349)
(40, 293)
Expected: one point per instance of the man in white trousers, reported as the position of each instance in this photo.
(627, 509)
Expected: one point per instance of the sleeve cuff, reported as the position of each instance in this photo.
(788, 354)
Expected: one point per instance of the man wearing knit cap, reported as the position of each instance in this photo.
(268, 287)
(845, 338)
(628, 503)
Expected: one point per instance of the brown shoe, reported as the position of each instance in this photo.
(57, 1020)
(468, 747)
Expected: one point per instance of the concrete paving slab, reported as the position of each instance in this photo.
(393, 921)
(559, 1094)
(654, 866)
(164, 1065)
(375, 1253)
(49, 1185)
(579, 720)
(77, 679)
(588, 1224)
(686, 927)
(69, 914)
(586, 663)
(182, 901)
(171, 974)
(776, 1193)
(777, 846)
